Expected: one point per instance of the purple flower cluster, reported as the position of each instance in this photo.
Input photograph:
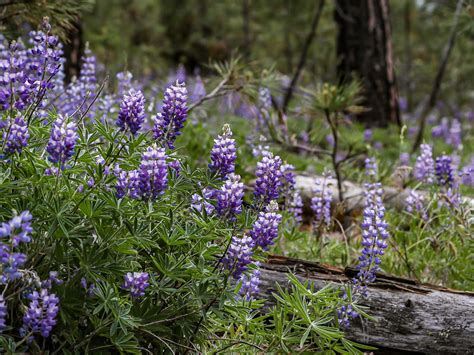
(18, 231)
(169, 123)
(136, 283)
(223, 154)
(452, 135)
(424, 167)
(288, 178)
(62, 140)
(16, 137)
(321, 204)
(345, 314)
(296, 206)
(53, 279)
(268, 183)
(230, 197)
(239, 255)
(149, 181)
(415, 203)
(199, 90)
(374, 234)
(41, 314)
(153, 173)
(199, 203)
(444, 171)
(132, 111)
(250, 283)
(265, 229)
(371, 169)
(264, 99)
(467, 174)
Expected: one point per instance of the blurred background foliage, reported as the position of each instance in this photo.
(152, 37)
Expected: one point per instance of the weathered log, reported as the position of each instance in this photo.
(409, 316)
(354, 194)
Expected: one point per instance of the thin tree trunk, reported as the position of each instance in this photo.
(430, 104)
(72, 51)
(364, 48)
(304, 55)
(408, 54)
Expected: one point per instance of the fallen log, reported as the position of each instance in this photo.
(354, 194)
(409, 316)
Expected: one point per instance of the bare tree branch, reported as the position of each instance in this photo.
(304, 55)
(439, 77)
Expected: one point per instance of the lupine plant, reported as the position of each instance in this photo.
(111, 242)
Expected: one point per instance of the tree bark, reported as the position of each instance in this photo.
(73, 50)
(364, 48)
(408, 316)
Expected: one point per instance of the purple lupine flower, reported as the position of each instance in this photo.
(14, 85)
(455, 134)
(53, 279)
(415, 203)
(239, 255)
(136, 283)
(124, 82)
(41, 314)
(223, 153)
(321, 204)
(265, 229)
(62, 140)
(424, 169)
(175, 165)
(345, 314)
(153, 173)
(269, 175)
(368, 135)
(250, 283)
(122, 181)
(199, 203)
(404, 159)
(16, 138)
(264, 99)
(288, 178)
(52, 171)
(18, 230)
(444, 171)
(467, 174)
(199, 90)
(132, 111)
(260, 149)
(3, 313)
(371, 168)
(230, 197)
(296, 206)
(330, 140)
(374, 235)
(402, 104)
(169, 123)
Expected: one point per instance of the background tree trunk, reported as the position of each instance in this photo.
(364, 48)
(73, 50)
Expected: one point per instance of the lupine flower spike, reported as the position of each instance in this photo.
(223, 154)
